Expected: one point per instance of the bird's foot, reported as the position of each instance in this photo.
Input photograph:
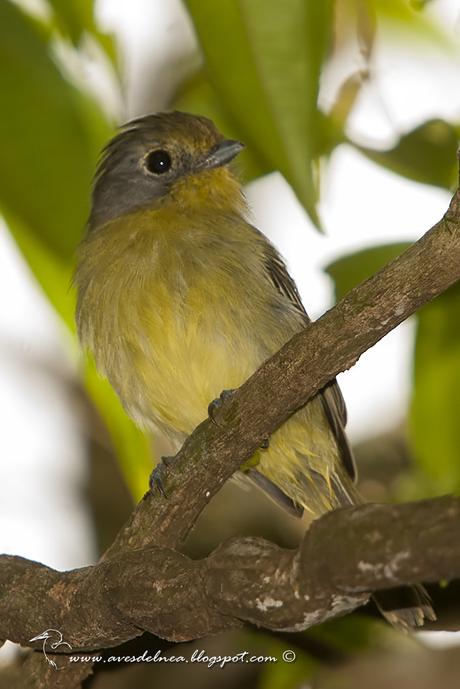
(158, 476)
(250, 463)
(265, 444)
(216, 406)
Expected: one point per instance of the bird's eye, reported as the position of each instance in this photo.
(158, 162)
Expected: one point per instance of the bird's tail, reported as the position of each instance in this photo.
(404, 607)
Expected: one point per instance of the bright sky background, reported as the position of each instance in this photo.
(43, 453)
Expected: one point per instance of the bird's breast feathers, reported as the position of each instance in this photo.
(180, 315)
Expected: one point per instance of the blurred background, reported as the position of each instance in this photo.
(350, 110)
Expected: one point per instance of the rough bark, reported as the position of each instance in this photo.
(343, 556)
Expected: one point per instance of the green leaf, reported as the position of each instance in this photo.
(346, 99)
(50, 135)
(131, 445)
(198, 97)
(74, 17)
(286, 674)
(264, 59)
(54, 273)
(407, 16)
(351, 634)
(428, 154)
(434, 412)
(419, 4)
(291, 673)
(348, 271)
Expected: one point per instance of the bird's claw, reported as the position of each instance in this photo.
(215, 407)
(265, 444)
(158, 476)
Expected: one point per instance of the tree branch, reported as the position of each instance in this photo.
(343, 556)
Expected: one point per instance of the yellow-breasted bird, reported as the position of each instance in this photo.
(180, 297)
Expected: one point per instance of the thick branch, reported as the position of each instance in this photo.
(291, 377)
(344, 556)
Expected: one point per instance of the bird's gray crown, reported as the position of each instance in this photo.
(124, 181)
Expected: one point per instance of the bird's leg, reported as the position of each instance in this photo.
(265, 444)
(158, 475)
(215, 407)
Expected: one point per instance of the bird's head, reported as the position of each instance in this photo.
(165, 159)
(47, 634)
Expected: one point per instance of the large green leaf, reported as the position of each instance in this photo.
(198, 97)
(427, 154)
(263, 59)
(131, 445)
(75, 18)
(50, 134)
(407, 16)
(434, 413)
(348, 271)
(351, 634)
(402, 19)
(54, 274)
(52, 271)
(435, 407)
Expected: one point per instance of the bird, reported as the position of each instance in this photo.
(180, 297)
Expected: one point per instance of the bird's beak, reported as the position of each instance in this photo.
(222, 154)
(39, 637)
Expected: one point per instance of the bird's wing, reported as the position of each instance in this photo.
(336, 412)
(280, 277)
(331, 397)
